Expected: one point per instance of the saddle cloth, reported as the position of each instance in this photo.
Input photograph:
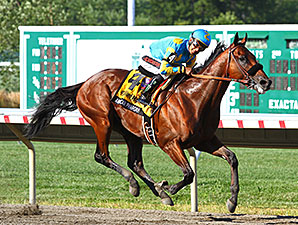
(130, 90)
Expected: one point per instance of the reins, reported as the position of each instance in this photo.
(209, 77)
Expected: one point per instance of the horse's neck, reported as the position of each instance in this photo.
(212, 90)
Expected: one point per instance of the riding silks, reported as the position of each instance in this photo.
(130, 91)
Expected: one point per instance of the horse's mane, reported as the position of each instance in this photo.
(220, 47)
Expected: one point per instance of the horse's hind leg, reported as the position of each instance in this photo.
(95, 106)
(103, 157)
(135, 163)
(215, 147)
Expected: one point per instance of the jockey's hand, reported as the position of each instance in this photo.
(188, 71)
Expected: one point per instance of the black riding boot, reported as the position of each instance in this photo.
(150, 88)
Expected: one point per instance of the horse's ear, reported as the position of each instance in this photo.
(236, 39)
(243, 41)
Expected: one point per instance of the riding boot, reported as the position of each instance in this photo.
(150, 88)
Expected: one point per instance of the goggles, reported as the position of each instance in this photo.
(199, 44)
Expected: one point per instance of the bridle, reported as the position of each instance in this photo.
(249, 82)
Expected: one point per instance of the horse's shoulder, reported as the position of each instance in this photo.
(190, 83)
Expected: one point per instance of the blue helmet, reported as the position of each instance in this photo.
(202, 35)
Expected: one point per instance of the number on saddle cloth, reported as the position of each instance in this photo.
(144, 83)
(136, 79)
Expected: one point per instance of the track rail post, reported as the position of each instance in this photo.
(193, 158)
(32, 168)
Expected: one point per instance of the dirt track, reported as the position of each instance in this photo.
(21, 214)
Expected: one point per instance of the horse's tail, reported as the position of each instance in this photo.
(62, 99)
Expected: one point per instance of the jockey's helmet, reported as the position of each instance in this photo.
(202, 36)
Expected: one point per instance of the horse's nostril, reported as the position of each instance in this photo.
(263, 82)
(269, 83)
(266, 83)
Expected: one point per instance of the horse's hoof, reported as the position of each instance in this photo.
(167, 201)
(134, 187)
(231, 206)
(135, 191)
(165, 198)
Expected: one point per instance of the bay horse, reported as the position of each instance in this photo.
(196, 101)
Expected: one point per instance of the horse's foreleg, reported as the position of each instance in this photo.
(215, 147)
(135, 163)
(176, 153)
(231, 158)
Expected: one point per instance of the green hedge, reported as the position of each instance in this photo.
(10, 78)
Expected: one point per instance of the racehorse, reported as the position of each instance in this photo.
(196, 100)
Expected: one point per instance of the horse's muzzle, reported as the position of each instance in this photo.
(260, 84)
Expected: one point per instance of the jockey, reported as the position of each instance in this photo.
(176, 56)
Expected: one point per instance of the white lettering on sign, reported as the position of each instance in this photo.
(232, 86)
(258, 53)
(36, 97)
(294, 54)
(233, 97)
(36, 67)
(235, 111)
(283, 104)
(50, 41)
(275, 53)
(36, 82)
(36, 52)
(219, 36)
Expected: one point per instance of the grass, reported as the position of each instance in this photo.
(67, 174)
